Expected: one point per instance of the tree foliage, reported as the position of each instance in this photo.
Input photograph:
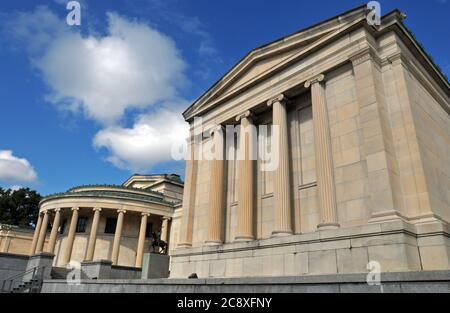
(19, 207)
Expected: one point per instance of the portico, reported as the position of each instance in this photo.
(102, 223)
(331, 95)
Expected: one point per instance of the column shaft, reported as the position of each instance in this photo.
(54, 233)
(42, 233)
(216, 194)
(117, 237)
(70, 236)
(323, 154)
(141, 241)
(282, 196)
(246, 179)
(37, 230)
(190, 186)
(93, 235)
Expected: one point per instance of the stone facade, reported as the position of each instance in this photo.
(364, 171)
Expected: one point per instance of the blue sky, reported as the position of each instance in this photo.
(86, 104)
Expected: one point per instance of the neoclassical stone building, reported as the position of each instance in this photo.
(109, 222)
(364, 167)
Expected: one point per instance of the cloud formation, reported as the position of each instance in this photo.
(148, 142)
(132, 66)
(14, 169)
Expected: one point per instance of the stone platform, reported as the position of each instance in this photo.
(401, 282)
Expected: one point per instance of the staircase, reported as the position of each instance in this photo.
(29, 281)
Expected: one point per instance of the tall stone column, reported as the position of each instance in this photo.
(141, 240)
(42, 233)
(37, 230)
(190, 187)
(282, 194)
(246, 200)
(216, 194)
(165, 228)
(117, 237)
(70, 236)
(93, 235)
(323, 154)
(54, 233)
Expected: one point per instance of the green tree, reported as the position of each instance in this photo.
(19, 207)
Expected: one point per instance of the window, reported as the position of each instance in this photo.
(62, 228)
(110, 227)
(81, 224)
(149, 230)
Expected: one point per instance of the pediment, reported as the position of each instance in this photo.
(262, 61)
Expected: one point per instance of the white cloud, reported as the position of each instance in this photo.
(14, 169)
(131, 66)
(147, 143)
(134, 66)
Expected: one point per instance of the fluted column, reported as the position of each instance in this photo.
(93, 235)
(54, 233)
(323, 154)
(70, 236)
(42, 233)
(282, 196)
(117, 236)
(245, 212)
(189, 193)
(141, 240)
(216, 194)
(37, 230)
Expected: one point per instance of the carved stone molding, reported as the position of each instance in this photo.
(364, 55)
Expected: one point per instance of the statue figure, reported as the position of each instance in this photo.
(158, 245)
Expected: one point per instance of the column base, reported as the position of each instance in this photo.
(325, 226)
(213, 243)
(244, 238)
(281, 233)
(385, 216)
(184, 246)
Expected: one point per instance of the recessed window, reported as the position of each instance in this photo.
(110, 227)
(62, 228)
(81, 224)
(149, 230)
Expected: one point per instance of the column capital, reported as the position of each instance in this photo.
(121, 211)
(280, 98)
(97, 209)
(57, 210)
(145, 214)
(168, 218)
(45, 211)
(246, 114)
(316, 79)
(215, 129)
(75, 209)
